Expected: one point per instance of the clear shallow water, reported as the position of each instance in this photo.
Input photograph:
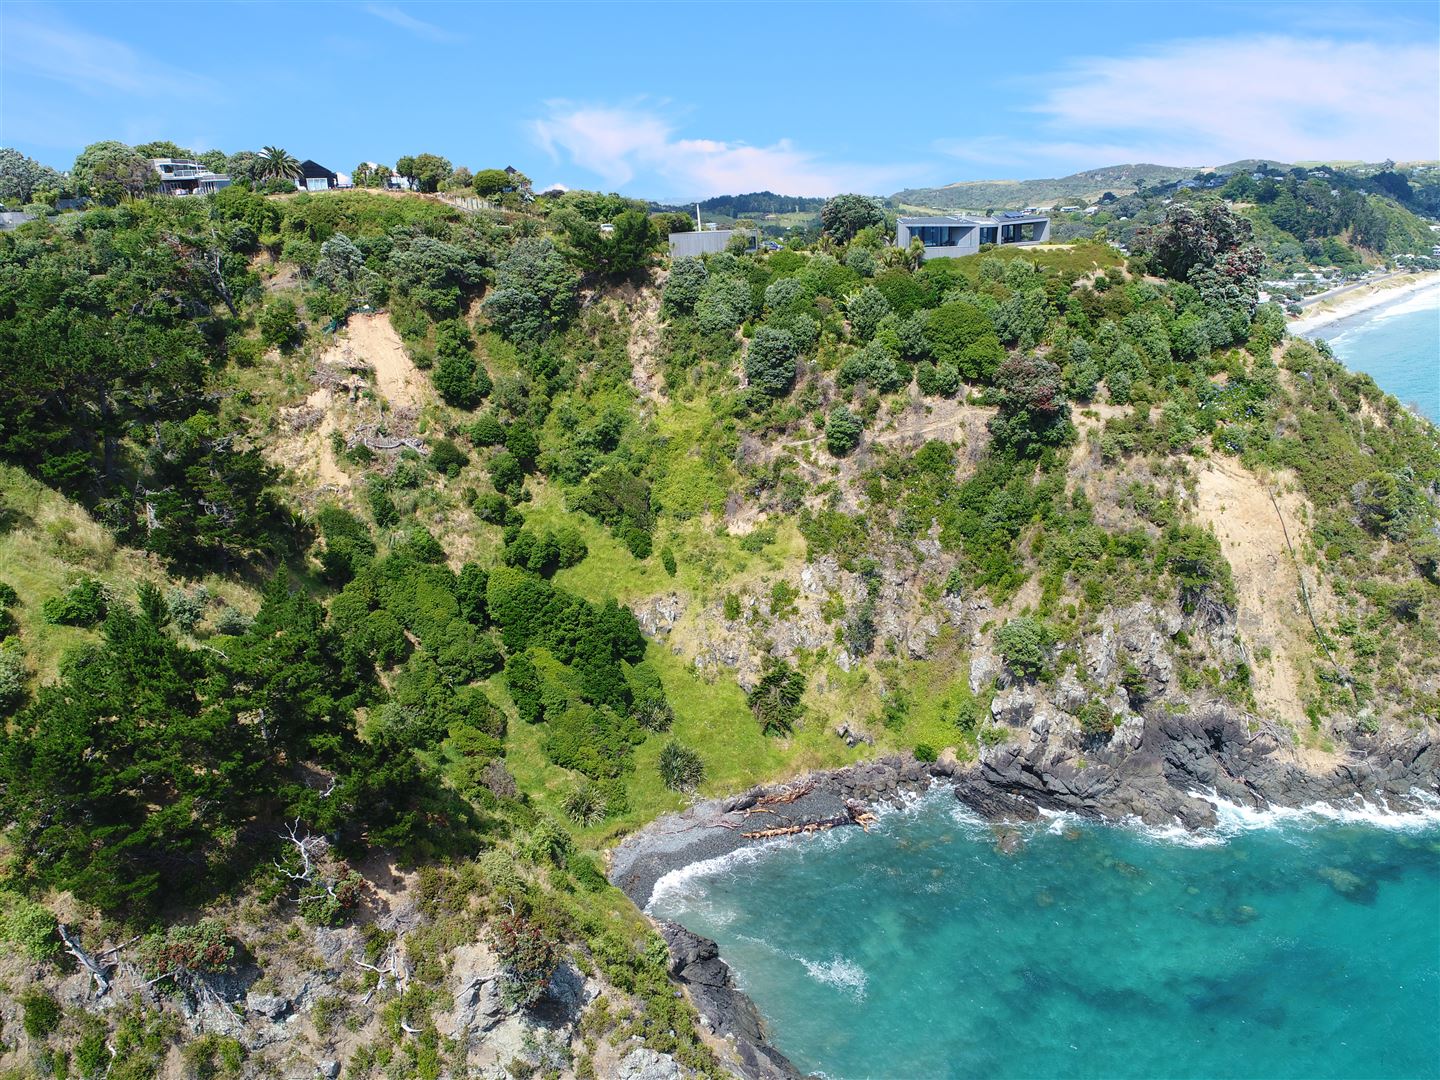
(1398, 346)
(1303, 950)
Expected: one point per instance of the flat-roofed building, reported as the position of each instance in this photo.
(708, 242)
(948, 236)
(178, 177)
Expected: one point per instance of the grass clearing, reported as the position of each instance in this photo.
(48, 543)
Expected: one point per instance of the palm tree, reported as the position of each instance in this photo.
(278, 164)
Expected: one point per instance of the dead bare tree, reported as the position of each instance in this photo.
(100, 964)
(310, 848)
(392, 966)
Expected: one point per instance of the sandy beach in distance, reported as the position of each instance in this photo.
(1362, 299)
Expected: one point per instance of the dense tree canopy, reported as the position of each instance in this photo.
(845, 215)
(21, 177)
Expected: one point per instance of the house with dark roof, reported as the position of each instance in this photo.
(315, 177)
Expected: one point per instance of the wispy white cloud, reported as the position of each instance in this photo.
(54, 50)
(620, 143)
(419, 27)
(1213, 100)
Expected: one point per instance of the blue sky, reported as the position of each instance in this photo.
(676, 100)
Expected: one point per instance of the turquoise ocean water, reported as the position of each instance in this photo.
(1397, 345)
(1304, 948)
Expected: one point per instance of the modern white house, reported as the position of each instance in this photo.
(948, 236)
(178, 177)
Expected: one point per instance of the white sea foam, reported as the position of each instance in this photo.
(839, 972)
(1422, 300)
(687, 883)
(1176, 834)
(1234, 818)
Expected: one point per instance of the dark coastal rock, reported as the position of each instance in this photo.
(1163, 776)
(695, 963)
(992, 802)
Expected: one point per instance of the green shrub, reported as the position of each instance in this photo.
(992, 735)
(42, 1013)
(757, 540)
(1096, 719)
(770, 361)
(14, 674)
(279, 324)
(1194, 556)
(680, 767)
(874, 365)
(842, 431)
(896, 710)
(925, 752)
(586, 873)
(667, 560)
(776, 698)
(934, 380)
(523, 682)
(28, 926)
(1024, 644)
(731, 606)
(83, 605)
(446, 458)
(382, 508)
(617, 497)
(487, 430)
(219, 1057)
(649, 707)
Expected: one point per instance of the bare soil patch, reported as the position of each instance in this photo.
(371, 340)
(642, 312)
(1237, 504)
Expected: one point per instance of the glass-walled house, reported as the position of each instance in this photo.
(948, 236)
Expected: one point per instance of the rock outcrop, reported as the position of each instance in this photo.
(1169, 767)
(695, 963)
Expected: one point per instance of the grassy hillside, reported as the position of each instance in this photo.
(1014, 194)
(429, 552)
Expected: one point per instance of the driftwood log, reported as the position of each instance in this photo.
(783, 797)
(854, 814)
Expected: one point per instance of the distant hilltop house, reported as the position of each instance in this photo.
(179, 177)
(710, 241)
(315, 177)
(948, 236)
(394, 182)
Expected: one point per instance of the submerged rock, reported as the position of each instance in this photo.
(1349, 885)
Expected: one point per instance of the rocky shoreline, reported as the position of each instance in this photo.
(1162, 769)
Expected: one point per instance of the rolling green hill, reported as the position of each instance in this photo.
(1089, 185)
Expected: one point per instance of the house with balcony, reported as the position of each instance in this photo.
(179, 177)
(948, 236)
